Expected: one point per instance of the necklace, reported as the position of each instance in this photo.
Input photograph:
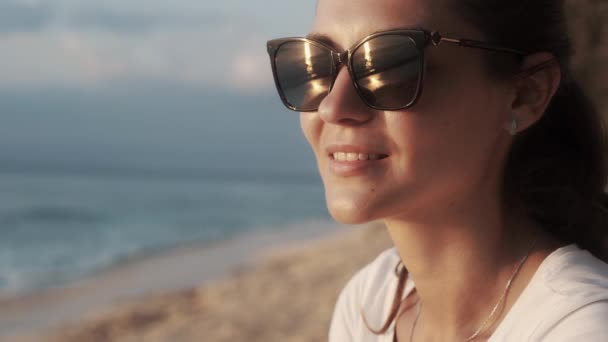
(494, 309)
(415, 321)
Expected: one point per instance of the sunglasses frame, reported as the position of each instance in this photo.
(422, 39)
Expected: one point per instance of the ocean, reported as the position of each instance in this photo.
(56, 228)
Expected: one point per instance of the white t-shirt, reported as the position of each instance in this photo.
(565, 301)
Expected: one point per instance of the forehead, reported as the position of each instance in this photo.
(346, 22)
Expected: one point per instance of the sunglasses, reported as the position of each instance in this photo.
(386, 68)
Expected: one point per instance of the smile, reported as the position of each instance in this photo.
(350, 156)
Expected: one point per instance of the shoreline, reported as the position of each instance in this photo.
(169, 271)
(287, 294)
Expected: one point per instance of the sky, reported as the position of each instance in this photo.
(181, 83)
(87, 42)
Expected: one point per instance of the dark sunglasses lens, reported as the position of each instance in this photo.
(304, 74)
(387, 71)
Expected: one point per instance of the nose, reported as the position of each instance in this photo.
(343, 105)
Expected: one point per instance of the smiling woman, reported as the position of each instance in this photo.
(457, 123)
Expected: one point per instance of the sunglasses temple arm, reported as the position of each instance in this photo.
(438, 39)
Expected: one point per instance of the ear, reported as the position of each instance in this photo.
(535, 86)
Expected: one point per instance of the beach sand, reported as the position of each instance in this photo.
(284, 293)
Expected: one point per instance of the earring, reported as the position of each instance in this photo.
(513, 128)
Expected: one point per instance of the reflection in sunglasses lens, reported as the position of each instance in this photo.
(387, 70)
(304, 73)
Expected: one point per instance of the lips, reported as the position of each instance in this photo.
(355, 160)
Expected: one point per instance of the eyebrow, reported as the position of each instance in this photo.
(322, 37)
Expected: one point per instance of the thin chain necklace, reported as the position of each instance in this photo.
(494, 309)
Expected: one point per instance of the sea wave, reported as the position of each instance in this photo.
(51, 214)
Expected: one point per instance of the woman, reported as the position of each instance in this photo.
(482, 156)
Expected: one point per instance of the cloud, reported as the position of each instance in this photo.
(249, 69)
(93, 58)
(16, 16)
(32, 15)
(81, 43)
(142, 15)
(137, 21)
(56, 58)
(250, 72)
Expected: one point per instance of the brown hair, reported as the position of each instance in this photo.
(557, 169)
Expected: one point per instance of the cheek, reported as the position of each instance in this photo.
(311, 128)
(464, 100)
(307, 126)
(450, 143)
(464, 107)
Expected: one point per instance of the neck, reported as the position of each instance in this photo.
(461, 260)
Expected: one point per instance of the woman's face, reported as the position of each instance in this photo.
(446, 149)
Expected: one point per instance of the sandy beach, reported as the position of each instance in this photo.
(274, 287)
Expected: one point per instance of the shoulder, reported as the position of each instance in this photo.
(575, 274)
(374, 277)
(566, 300)
(365, 293)
(587, 322)
(579, 282)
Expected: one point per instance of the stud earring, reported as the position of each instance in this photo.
(513, 128)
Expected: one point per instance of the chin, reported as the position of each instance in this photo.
(349, 218)
(350, 212)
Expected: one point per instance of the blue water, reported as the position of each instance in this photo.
(56, 228)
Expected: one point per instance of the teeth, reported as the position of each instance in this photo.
(343, 156)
